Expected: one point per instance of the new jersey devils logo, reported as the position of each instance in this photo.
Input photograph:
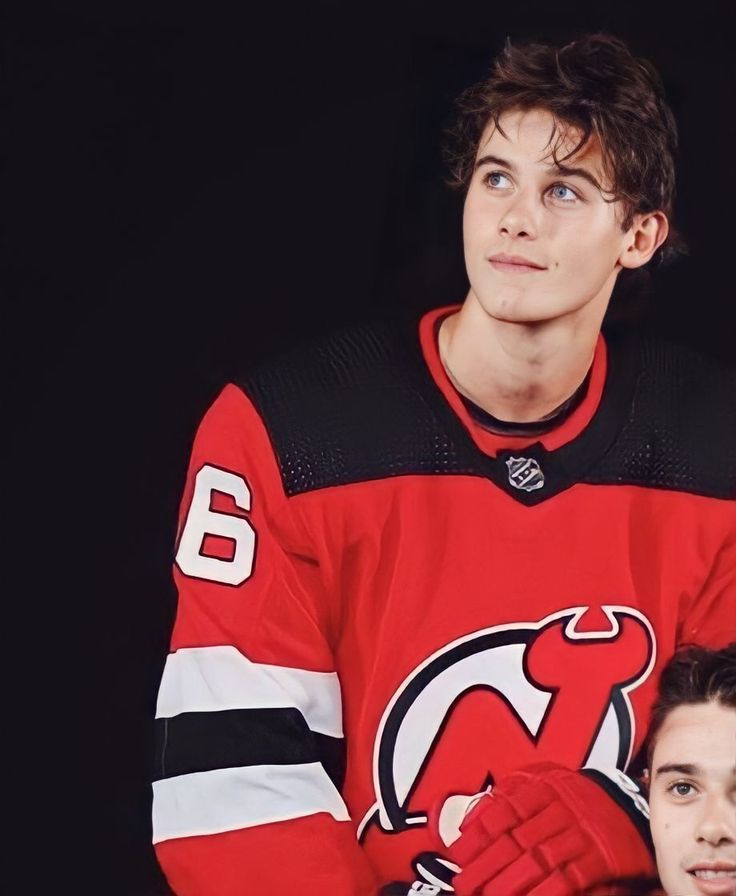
(546, 689)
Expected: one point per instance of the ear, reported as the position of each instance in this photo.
(644, 237)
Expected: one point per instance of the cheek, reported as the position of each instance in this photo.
(597, 240)
(472, 225)
(587, 261)
(480, 217)
(658, 820)
(669, 825)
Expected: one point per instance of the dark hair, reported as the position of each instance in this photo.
(596, 86)
(693, 675)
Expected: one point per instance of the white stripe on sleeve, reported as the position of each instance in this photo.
(231, 798)
(210, 679)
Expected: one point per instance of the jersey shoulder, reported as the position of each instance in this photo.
(361, 404)
(680, 430)
(350, 406)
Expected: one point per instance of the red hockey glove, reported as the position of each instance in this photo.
(547, 831)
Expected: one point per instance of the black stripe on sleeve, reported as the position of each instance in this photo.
(203, 741)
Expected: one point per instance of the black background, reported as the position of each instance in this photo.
(187, 190)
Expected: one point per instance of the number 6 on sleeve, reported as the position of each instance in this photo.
(202, 521)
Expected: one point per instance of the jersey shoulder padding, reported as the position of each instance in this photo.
(361, 404)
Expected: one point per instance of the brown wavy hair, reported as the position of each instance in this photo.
(693, 675)
(596, 86)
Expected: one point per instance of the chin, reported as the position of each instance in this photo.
(516, 307)
(520, 313)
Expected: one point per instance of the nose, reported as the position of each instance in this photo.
(519, 217)
(717, 824)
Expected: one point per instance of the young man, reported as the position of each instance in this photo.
(692, 774)
(419, 557)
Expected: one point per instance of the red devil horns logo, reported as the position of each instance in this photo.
(547, 690)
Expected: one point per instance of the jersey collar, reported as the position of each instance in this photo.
(556, 459)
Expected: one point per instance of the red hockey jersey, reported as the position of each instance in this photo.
(382, 604)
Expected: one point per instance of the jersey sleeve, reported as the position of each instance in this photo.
(710, 619)
(250, 747)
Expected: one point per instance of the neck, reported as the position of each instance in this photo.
(518, 372)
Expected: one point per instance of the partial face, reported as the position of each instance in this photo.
(692, 801)
(520, 204)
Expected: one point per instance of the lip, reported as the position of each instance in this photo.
(720, 886)
(514, 263)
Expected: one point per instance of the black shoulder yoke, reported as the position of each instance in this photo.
(361, 404)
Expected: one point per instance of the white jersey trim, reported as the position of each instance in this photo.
(211, 679)
(231, 798)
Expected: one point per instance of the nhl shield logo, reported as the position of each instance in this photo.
(525, 473)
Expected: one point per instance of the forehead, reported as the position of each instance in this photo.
(701, 734)
(535, 135)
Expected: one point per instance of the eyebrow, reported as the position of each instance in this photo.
(679, 769)
(565, 170)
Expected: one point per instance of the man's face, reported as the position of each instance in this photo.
(692, 801)
(520, 204)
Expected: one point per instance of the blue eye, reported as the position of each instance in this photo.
(493, 177)
(497, 180)
(559, 191)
